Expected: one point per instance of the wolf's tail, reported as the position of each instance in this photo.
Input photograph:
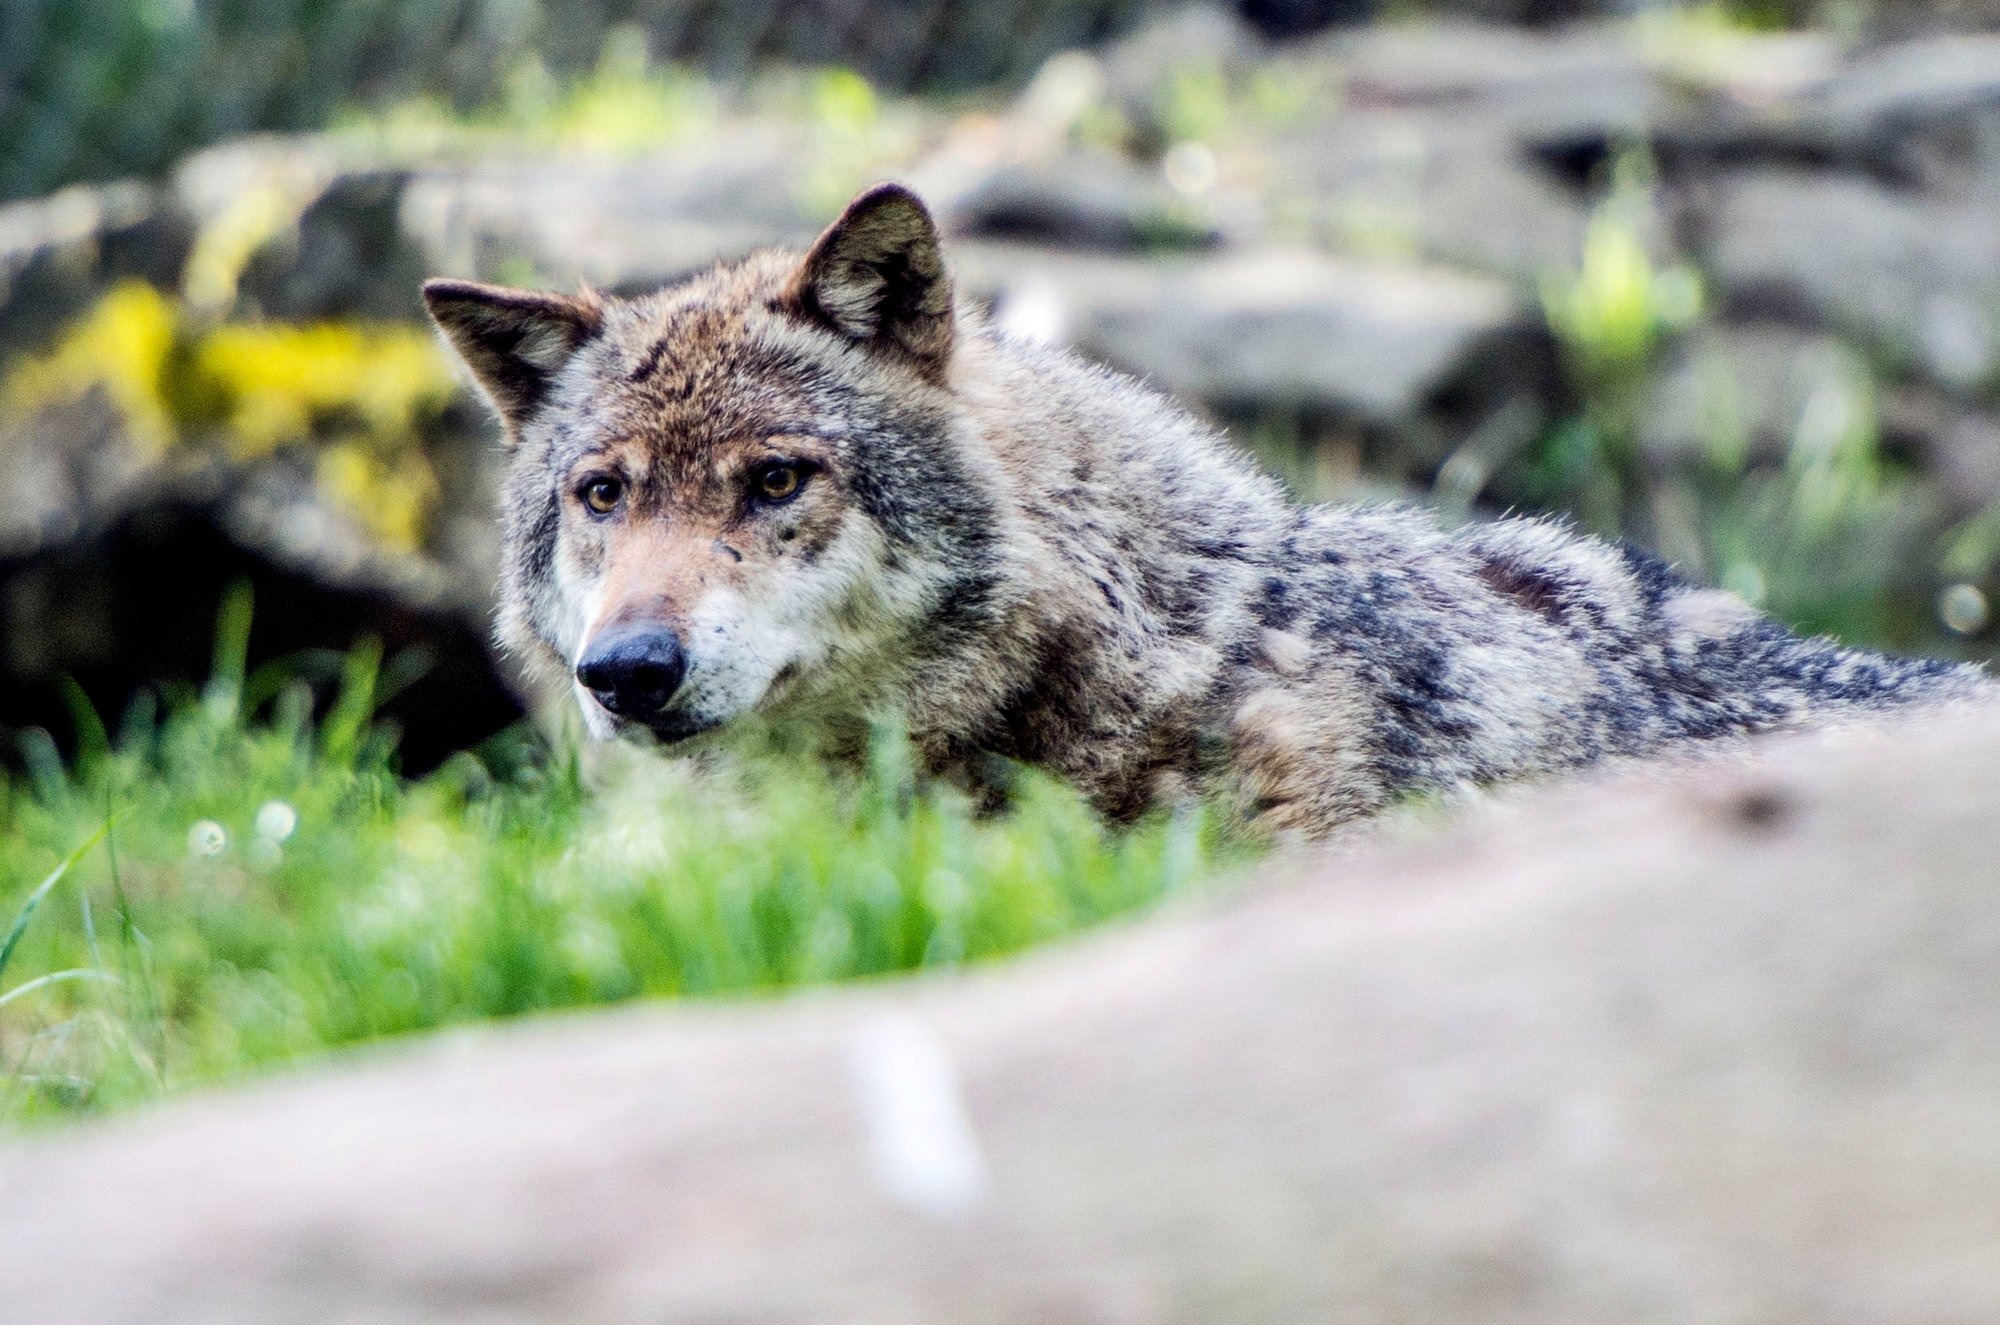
(1725, 663)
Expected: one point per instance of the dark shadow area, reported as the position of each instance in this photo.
(137, 605)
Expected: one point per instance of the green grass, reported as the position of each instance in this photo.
(233, 886)
(843, 132)
(1838, 536)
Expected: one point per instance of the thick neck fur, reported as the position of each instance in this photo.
(1135, 544)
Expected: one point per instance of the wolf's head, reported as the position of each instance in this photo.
(739, 491)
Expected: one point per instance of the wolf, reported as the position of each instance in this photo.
(803, 489)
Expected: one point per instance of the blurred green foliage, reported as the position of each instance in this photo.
(627, 103)
(1829, 539)
(101, 88)
(95, 89)
(1610, 316)
(631, 104)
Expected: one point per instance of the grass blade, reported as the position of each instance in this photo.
(346, 724)
(93, 739)
(27, 911)
(54, 978)
(143, 998)
(232, 653)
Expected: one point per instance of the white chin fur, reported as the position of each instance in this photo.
(595, 720)
(803, 618)
(734, 652)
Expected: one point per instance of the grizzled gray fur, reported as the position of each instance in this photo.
(800, 490)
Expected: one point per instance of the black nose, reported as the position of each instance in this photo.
(634, 673)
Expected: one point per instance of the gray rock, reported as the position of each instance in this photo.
(341, 233)
(1456, 60)
(1919, 106)
(1587, 84)
(65, 473)
(1274, 329)
(347, 256)
(1911, 82)
(613, 223)
(1080, 200)
(59, 254)
(114, 551)
(1745, 389)
(1647, 1049)
(313, 224)
(1918, 277)
(1428, 183)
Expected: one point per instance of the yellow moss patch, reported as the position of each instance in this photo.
(359, 392)
(391, 495)
(123, 347)
(225, 245)
(282, 384)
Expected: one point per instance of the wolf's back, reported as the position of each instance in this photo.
(1521, 646)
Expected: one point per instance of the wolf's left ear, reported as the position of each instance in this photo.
(877, 276)
(515, 341)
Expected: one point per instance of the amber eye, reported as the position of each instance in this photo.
(777, 482)
(602, 494)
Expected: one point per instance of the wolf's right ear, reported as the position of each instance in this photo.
(515, 341)
(877, 276)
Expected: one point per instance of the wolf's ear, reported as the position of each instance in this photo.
(515, 341)
(877, 276)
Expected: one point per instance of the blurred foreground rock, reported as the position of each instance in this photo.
(1715, 1047)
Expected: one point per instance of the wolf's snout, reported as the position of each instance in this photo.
(635, 673)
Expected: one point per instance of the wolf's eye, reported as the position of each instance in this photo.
(601, 495)
(776, 482)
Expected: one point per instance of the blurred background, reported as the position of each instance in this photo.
(1724, 279)
(1721, 278)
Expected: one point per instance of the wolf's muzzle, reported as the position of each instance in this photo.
(634, 673)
